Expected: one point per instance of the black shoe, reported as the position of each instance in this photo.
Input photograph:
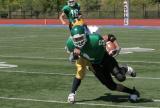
(134, 97)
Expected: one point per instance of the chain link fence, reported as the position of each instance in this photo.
(115, 11)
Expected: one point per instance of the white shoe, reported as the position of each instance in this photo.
(71, 98)
(130, 71)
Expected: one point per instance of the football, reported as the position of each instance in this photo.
(110, 47)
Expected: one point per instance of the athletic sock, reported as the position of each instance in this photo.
(76, 83)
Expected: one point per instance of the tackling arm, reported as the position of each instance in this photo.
(72, 50)
(112, 38)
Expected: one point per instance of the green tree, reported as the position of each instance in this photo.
(90, 5)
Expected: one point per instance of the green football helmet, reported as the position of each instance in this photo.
(78, 36)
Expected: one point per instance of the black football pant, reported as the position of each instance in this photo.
(104, 70)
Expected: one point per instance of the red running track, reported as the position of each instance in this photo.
(133, 22)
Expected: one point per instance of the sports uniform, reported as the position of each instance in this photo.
(92, 49)
(72, 13)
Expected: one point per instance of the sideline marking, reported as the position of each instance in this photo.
(63, 74)
(78, 103)
(5, 65)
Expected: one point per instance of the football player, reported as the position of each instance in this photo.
(82, 63)
(91, 48)
(72, 12)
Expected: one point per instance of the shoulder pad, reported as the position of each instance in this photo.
(65, 8)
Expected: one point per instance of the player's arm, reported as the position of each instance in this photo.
(72, 56)
(61, 17)
(72, 50)
(79, 15)
(79, 12)
(65, 12)
(112, 38)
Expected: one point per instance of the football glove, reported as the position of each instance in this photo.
(73, 57)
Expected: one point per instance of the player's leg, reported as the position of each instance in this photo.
(111, 64)
(119, 74)
(120, 71)
(70, 26)
(81, 66)
(115, 70)
(128, 70)
(107, 80)
(134, 95)
(102, 72)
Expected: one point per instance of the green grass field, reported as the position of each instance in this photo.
(44, 75)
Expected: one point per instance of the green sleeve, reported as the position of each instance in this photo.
(69, 45)
(65, 9)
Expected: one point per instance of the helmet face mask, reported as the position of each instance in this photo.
(78, 36)
(79, 40)
(71, 3)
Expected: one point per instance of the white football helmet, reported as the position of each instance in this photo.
(78, 36)
(71, 3)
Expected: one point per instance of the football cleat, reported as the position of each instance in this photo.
(134, 97)
(130, 71)
(71, 98)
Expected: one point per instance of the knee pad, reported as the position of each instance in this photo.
(120, 77)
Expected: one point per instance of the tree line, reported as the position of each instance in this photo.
(53, 6)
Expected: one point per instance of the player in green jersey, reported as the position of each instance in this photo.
(91, 47)
(72, 12)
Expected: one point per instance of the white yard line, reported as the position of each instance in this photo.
(32, 47)
(78, 103)
(63, 74)
(146, 62)
(156, 100)
(28, 57)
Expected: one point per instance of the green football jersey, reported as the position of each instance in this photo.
(93, 50)
(72, 12)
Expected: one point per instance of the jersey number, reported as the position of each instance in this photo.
(74, 13)
(101, 42)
